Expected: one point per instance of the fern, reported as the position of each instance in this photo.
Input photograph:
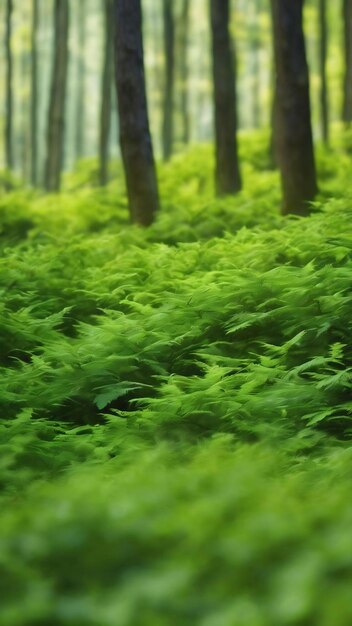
(176, 412)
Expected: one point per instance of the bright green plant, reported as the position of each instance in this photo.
(176, 402)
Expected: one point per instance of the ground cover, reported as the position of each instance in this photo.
(176, 403)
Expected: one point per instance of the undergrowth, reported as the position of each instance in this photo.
(176, 403)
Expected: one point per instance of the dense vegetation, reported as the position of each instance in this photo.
(176, 402)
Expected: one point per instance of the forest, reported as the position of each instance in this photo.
(176, 313)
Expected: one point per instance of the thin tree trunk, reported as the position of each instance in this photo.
(255, 54)
(347, 101)
(23, 125)
(168, 102)
(324, 100)
(56, 119)
(34, 94)
(228, 178)
(256, 90)
(81, 69)
(105, 109)
(294, 132)
(9, 88)
(184, 44)
(135, 138)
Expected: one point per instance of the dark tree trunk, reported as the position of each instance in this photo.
(105, 109)
(34, 94)
(81, 69)
(293, 120)
(135, 138)
(324, 99)
(273, 149)
(56, 119)
(168, 101)
(184, 43)
(9, 88)
(347, 100)
(228, 178)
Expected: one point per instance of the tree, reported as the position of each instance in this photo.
(81, 70)
(293, 120)
(273, 148)
(255, 44)
(34, 93)
(228, 178)
(347, 100)
(56, 118)
(9, 88)
(105, 109)
(135, 138)
(183, 55)
(168, 100)
(324, 100)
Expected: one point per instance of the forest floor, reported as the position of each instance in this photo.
(175, 441)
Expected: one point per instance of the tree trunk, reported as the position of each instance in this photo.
(9, 88)
(81, 68)
(324, 100)
(34, 93)
(56, 119)
(273, 149)
(184, 43)
(135, 138)
(228, 178)
(168, 101)
(23, 118)
(347, 100)
(105, 109)
(294, 131)
(255, 63)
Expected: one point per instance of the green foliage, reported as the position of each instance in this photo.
(206, 536)
(176, 402)
(103, 321)
(32, 448)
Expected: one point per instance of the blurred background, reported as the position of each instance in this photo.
(32, 32)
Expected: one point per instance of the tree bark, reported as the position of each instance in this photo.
(324, 99)
(255, 63)
(23, 118)
(168, 100)
(347, 100)
(273, 148)
(184, 43)
(81, 69)
(135, 138)
(294, 132)
(105, 109)
(9, 159)
(34, 93)
(56, 119)
(227, 176)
